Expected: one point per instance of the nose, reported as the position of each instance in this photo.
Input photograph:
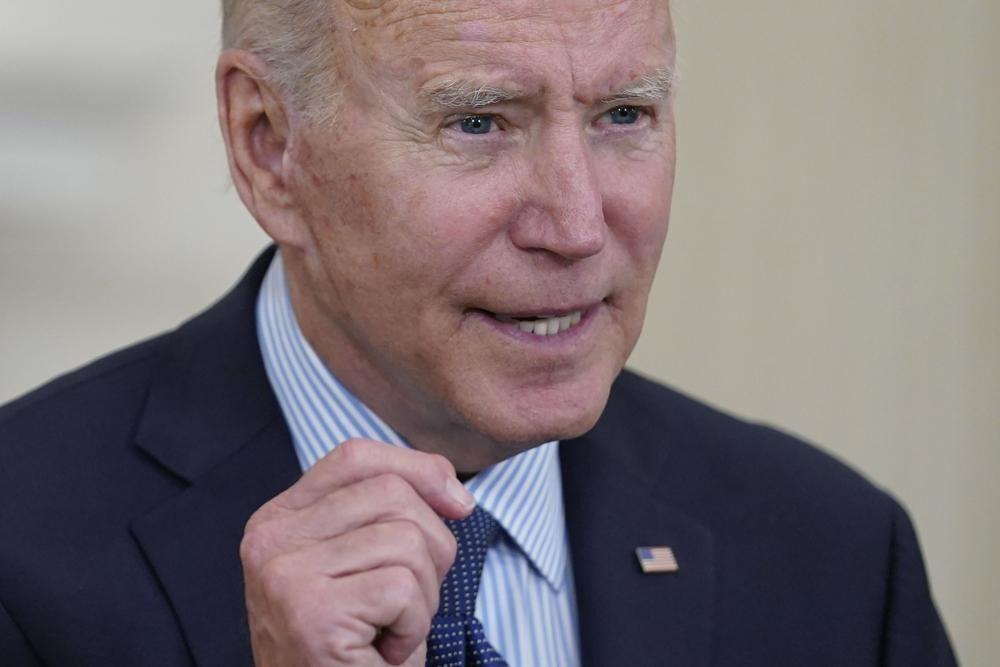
(564, 212)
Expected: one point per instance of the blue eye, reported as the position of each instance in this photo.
(477, 124)
(624, 115)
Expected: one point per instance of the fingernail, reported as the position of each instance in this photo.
(460, 494)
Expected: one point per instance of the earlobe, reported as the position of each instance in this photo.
(256, 133)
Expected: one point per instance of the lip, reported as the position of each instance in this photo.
(546, 311)
(590, 312)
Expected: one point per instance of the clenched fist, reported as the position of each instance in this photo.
(344, 567)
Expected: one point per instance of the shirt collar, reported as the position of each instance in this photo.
(523, 493)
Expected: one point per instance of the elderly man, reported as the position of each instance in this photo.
(469, 200)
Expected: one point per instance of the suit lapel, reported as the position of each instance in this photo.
(192, 543)
(212, 421)
(615, 504)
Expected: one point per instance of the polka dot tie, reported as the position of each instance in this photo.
(457, 638)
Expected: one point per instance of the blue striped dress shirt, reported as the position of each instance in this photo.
(526, 602)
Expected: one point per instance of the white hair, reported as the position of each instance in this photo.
(294, 38)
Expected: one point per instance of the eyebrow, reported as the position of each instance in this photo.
(654, 87)
(462, 94)
(466, 94)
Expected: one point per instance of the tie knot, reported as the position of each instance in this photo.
(474, 534)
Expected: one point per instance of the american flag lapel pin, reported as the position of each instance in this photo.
(654, 560)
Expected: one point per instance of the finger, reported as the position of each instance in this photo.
(386, 498)
(431, 475)
(344, 619)
(373, 547)
(418, 658)
(393, 606)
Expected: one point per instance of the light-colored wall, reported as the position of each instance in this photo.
(834, 262)
(832, 266)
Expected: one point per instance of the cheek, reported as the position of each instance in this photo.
(638, 210)
(455, 220)
(344, 207)
(355, 207)
(408, 237)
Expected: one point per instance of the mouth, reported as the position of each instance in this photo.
(543, 324)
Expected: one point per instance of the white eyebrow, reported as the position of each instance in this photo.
(654, 87)
(460, 94)
(465, 94)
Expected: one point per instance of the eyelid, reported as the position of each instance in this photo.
(640, 105)
(456, 118)
(644, 109)
(471, 114)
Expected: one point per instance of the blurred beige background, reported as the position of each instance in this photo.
(832, 266)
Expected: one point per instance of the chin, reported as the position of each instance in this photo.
(534, 420)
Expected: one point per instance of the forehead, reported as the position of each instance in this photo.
(593, 43)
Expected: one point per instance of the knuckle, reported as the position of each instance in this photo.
(394, 491)
(410, 538)
(443, 465)
(400, 587)
(256, 520)
(353, 452)
(260, 534)
(249, 551)
(277, 576)
(255, 545)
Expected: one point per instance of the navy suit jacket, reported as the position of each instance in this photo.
(125, 487)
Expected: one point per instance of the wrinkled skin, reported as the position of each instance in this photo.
(405, 227)
(344, 567)
(415, 227)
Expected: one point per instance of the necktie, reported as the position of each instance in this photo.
(457, 638)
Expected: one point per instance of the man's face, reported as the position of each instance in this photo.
(497, 172)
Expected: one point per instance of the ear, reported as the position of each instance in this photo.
(256, 131)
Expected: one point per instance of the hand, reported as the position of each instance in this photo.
(344, 567)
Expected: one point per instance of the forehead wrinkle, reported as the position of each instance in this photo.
(394, 13)
(638, 38)
(418, 21)
(432, 40)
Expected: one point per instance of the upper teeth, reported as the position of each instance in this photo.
(546, 326)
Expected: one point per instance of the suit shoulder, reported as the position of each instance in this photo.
(87, 393)
(755, 460)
